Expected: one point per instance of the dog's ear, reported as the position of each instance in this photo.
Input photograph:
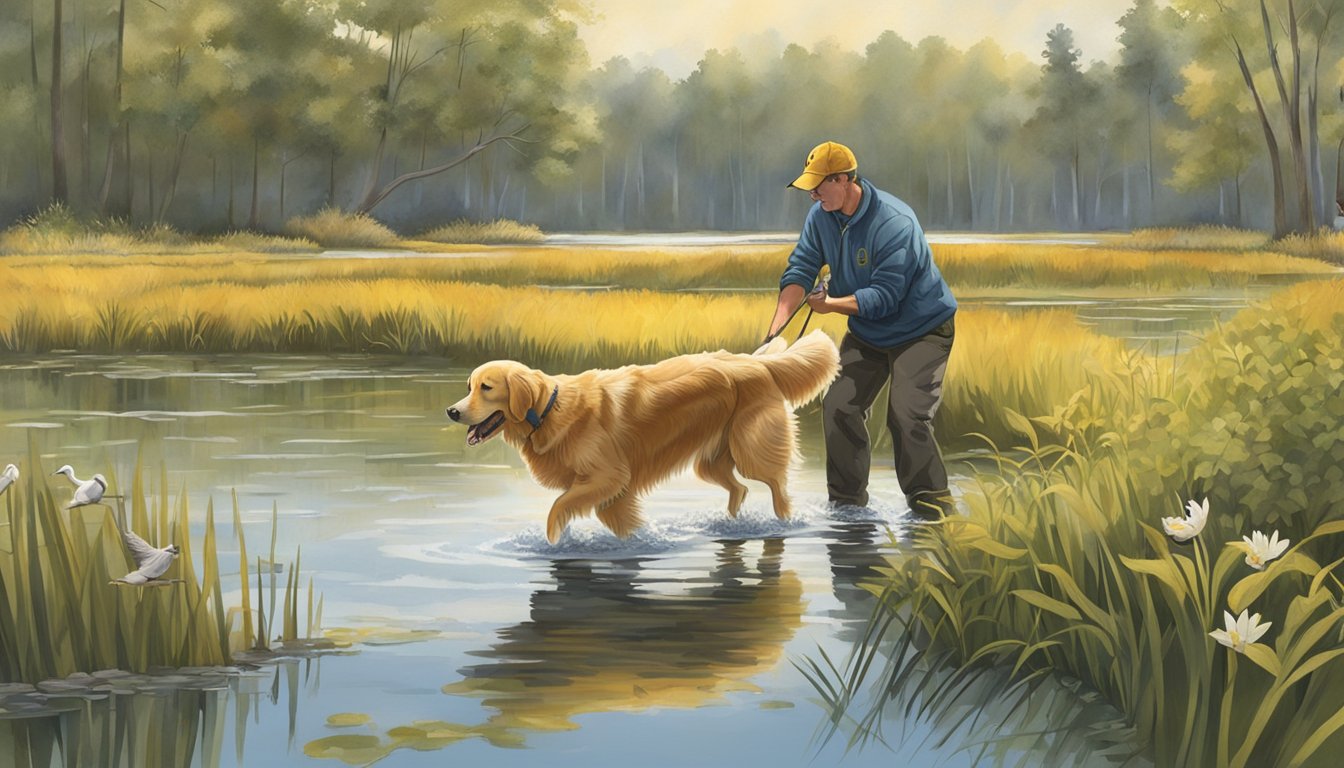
(526, 392)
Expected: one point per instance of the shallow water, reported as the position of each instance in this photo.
(486, 644)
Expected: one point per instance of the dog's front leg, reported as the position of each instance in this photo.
(588, 491)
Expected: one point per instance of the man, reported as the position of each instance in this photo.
(901, 327)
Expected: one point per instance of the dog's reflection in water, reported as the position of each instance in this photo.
(614, 637)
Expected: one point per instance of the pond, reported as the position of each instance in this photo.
(484, 643)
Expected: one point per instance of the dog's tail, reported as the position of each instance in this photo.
(803, 370)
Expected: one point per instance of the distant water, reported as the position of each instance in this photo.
(669, 239)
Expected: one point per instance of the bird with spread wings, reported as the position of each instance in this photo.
(152, 563)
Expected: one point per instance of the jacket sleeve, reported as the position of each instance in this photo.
(893, 253)
(806, 260)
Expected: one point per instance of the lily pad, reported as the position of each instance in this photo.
(347, 719)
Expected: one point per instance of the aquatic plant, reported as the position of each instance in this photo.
(59, 614)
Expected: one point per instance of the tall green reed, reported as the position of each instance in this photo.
(60, 613)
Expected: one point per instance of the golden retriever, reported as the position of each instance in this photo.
(604, 437)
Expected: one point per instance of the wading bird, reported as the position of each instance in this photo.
(86, 491)
(10, 476)
(152, 562)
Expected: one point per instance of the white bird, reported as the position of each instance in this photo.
(10, 476)
(86, 491)
(152, 562)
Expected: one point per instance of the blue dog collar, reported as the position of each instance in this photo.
(534, 419)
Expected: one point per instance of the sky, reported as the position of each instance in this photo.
(673, 34)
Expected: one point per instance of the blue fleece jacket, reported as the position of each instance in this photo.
(878, 255)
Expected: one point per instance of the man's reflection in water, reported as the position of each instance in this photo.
(625, 636)
(856, 551)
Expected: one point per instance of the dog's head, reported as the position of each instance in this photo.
(498, 393)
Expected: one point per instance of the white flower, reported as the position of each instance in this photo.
(1187, 528)
(1261, 549)
(1241, 630)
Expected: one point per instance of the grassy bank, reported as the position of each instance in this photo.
(1062, 565)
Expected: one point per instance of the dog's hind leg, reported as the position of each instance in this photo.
(587, 492)
(621, 514)
(719, 469)
(761, 441)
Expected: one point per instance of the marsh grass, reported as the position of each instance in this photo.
(59, 613)
(1326, 245)
(1204, 238)
(1059, 564)
(485, 232)
(57, 231)
(333, 228)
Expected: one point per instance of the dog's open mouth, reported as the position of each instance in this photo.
(479, 433)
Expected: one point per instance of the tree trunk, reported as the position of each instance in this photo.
(130, 177)
(85, 142)
(231, 174)
(1291, 102)
(676, 185)
(1272, 145)
(106, 188)
(60, 192)
(1124, 198)
(970, 181)
(620, 199)
(254, 216)
(174, 172)
(331, 180)
(951, 203)
(1152, 187)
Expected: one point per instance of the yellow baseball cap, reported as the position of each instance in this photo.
(825, 159)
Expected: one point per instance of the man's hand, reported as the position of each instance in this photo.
(823, 303)
(817, 300)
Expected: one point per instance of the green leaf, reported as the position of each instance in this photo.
(1094, 612)
(1264, 657)
(1251, 587)
(1317, 739)
(972, 535)
(1163, 570)
(1313, 664)
(1047, 603)
(1022, 426)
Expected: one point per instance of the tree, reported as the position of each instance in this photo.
(1151, 54)
(1059, 121)
(1230, 28)
(1220, 142)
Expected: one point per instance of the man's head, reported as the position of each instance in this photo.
(827, 159)
(828, 174)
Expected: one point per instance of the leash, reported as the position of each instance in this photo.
(824, 283)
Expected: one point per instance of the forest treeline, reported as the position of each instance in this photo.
(209, 115)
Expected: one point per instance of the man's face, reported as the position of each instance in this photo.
(831, 191)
